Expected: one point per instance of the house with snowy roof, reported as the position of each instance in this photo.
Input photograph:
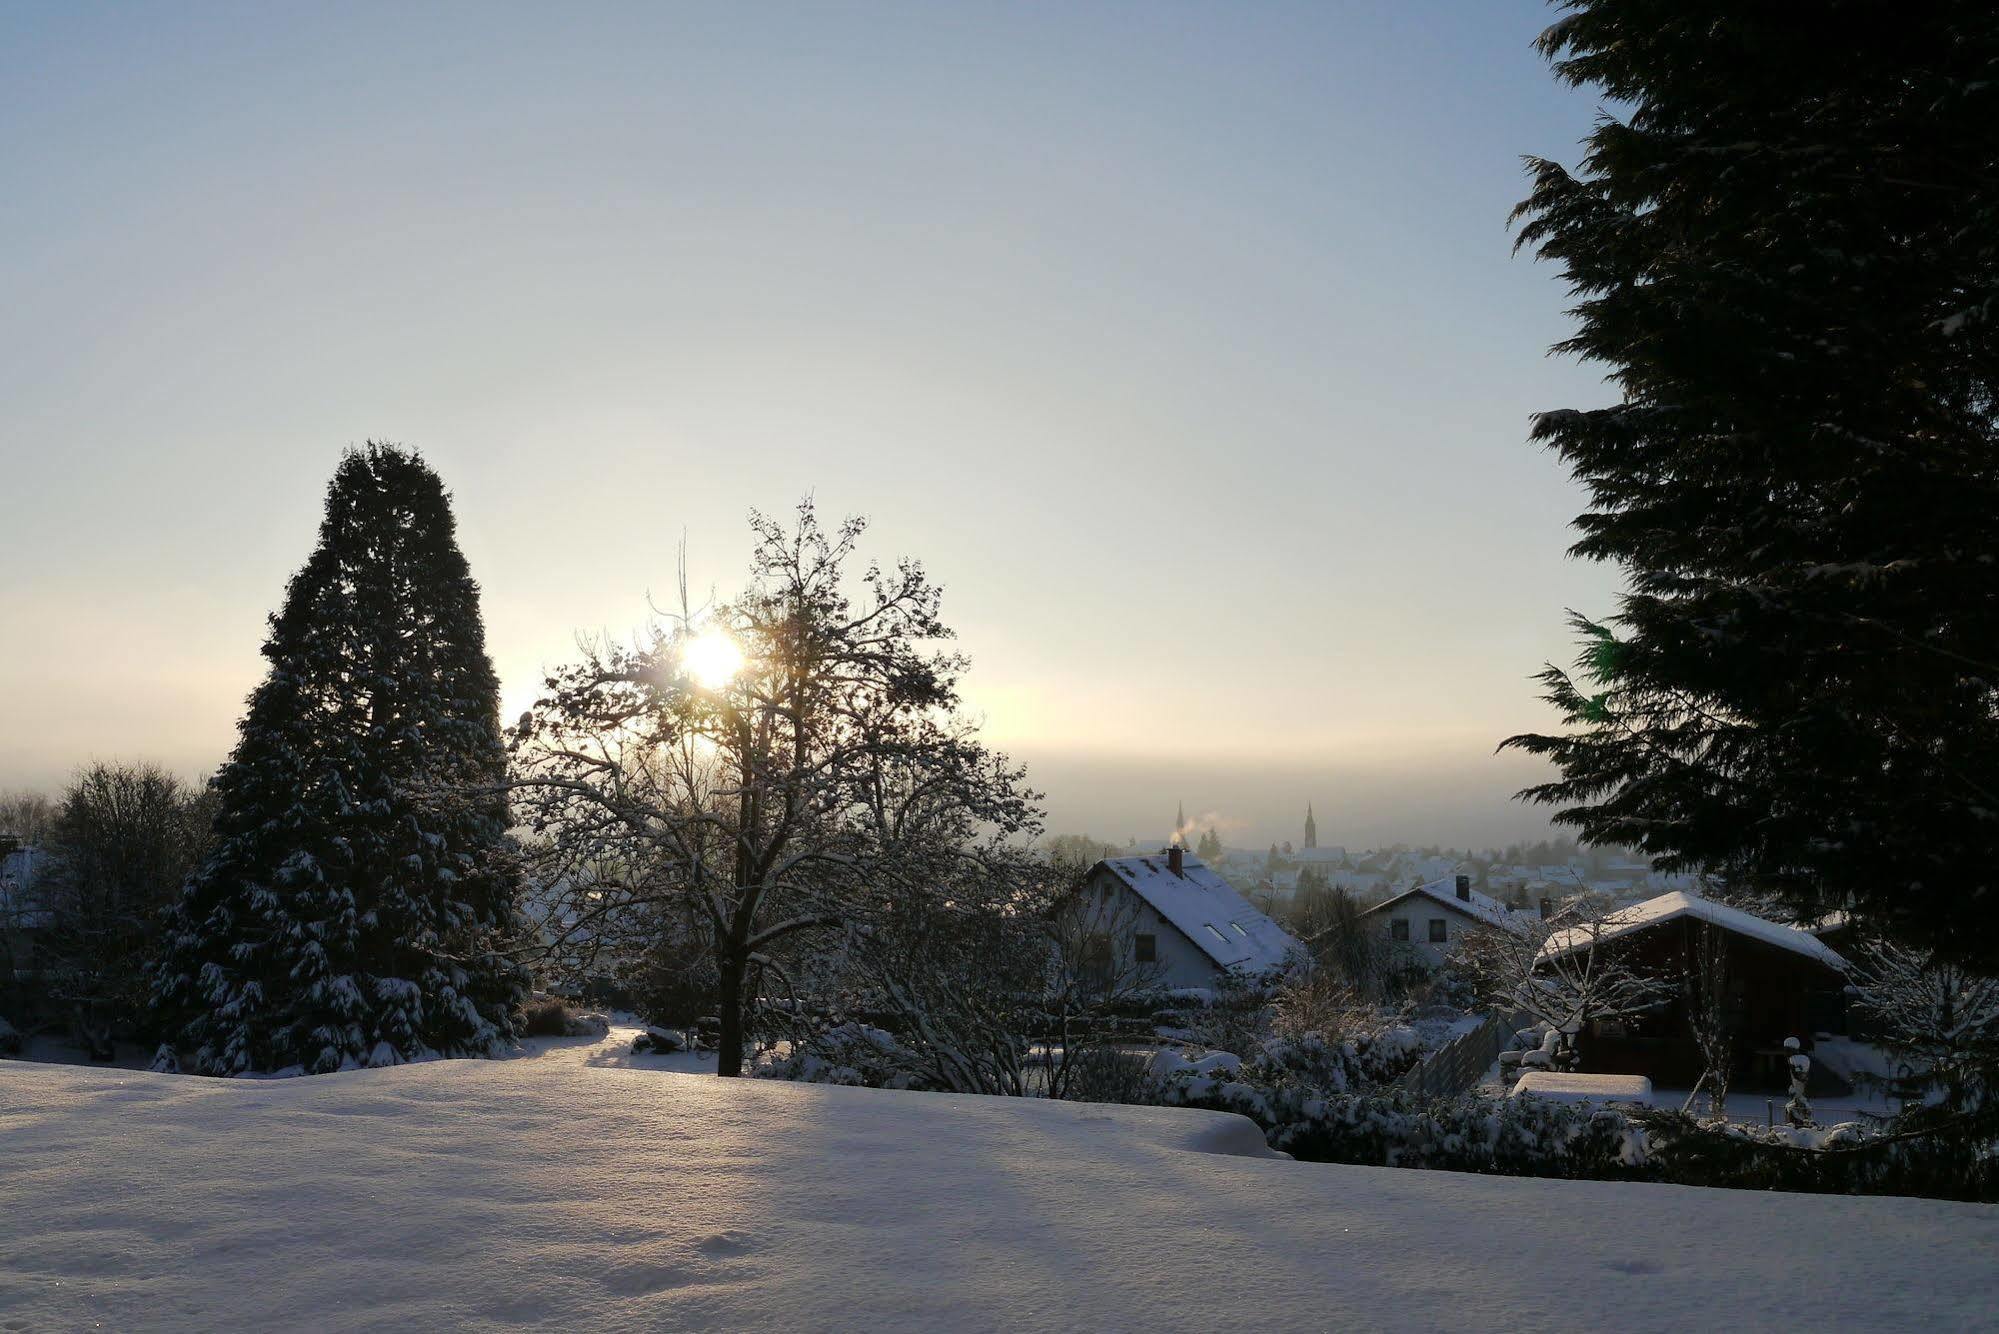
(1171, 915)
(1781, 982)
(1431, 919)
(22, 915)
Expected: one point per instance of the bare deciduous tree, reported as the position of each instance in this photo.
(783, 762)
(1559, 970)
(1093, 972)
(124, 838)
(1940, 1018)
(1332, 927)
(27, 816)
(1710, 1013)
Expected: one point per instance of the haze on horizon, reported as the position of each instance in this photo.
(1184, 345)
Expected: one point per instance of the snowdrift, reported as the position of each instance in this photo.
(542, 1192)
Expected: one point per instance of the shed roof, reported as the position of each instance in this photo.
(1678, 904)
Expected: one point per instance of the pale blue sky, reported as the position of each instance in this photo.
(1183, 343)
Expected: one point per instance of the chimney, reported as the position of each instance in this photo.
(1547, 909)
(1176, 860)
(1464, 888)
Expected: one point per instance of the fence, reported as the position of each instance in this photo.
(1461, 1062)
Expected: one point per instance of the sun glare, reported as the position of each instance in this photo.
(712, 658)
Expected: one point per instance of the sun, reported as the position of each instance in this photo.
(712, 658)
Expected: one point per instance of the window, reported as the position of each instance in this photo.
(1237, 928)
(1438, 931)
(1213, 931)
(1145, 948)
(1399, 929)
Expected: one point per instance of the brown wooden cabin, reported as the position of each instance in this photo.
(1777, 991)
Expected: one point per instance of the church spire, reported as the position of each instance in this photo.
(1180, 825)
(1311, 828)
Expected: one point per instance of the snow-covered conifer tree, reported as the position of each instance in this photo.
(358, 905)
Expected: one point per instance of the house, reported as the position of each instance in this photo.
(1781, 982)
(1432, 918)
(1172, 915)
(22, 917)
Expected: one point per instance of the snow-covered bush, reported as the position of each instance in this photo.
(1929, 1152)
(851, 1053)
(661, 1042)
(1241, 1013)
(1310, 1031)
(1509, 1137)
(1447, 986)
(550, 1016)
(1530, 1136)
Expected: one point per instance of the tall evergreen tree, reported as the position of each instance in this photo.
(359, 901)
(1786, 250)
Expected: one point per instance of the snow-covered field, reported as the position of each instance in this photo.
(580, 1190)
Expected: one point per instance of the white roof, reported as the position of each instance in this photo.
(1445, 892)
(1206, 910)
(1679, 903)
(1560, 1086)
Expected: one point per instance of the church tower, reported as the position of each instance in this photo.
(1180, 825)
(1311, 828)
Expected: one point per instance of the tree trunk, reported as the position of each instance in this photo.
(729, 1007)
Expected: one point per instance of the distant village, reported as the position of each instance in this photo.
(1519, 876)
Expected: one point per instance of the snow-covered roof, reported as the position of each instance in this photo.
(1483, 907)
(1679, 903)
(1206, 909)
(1563, 1086)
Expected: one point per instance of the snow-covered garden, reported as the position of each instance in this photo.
(578, 1189)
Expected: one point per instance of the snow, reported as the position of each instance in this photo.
(1556, 1086)
(1679, 903)
(1204, 908)
(573, 1190)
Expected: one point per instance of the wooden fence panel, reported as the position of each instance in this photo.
(1459, 1063)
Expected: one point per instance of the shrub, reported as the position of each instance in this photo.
(1924, 1154)
(1110, 1074)
(1496, 1136)
(544, 1017)
(851, 1053)
(1536, 1137)
(661, 1042)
